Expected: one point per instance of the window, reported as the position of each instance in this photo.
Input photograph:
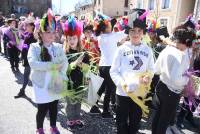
(151, 4)
(95, 2)
(82, 17)
(126, 3)
(139, 4)
(125, 13)
(163, 22)
(165, 4)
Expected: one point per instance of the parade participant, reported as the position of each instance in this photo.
(2, 32)
(171, 65)
(77, 64)
(28, 39)
(45, 58)
(157, 46)
(108, 46)
(132, 58)
(11, 36)
(186, 110)
(89, 43)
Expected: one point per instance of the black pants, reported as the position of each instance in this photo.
(0, 46)
(27, 71)
(14, 57)
(185, 111)
(165, 110)
(5, 48)
(42, 111)
(110, 88)
(128, 115)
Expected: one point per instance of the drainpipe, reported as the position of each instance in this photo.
(178, 7)
(195, 14)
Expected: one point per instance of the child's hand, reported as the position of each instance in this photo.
(58, 67)
(78, 62)
(144, 79)
(86, 81)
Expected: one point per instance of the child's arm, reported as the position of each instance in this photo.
(114, 71)
(35, 63)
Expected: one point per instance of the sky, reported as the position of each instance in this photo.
(64, 7)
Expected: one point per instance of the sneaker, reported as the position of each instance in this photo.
(40, 131)
(54, 130)
(20, 94)
(113, 108)
(180, 125)
(107, 115)
(175, 129)
(94, 110)
(79, 124)
(71, 125)
(13, 69)
(17, 69)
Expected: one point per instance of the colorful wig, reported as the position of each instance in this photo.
(73, 27)
(48, 21)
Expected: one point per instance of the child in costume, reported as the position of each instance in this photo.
(171, 65)
(157, 45)
(28, 39)
(108, 46)
(76, 71)
(90, 43)
(186, 110)
(11, 36)
(46, 58)
(132, 62)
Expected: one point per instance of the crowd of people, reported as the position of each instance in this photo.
(136, 58)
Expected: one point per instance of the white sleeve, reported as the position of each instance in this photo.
(151, 61)
(115, 69)
(120, 35)
(177, 71)
(64, 61)
(34, 63)
(99, 41)
(158, 63)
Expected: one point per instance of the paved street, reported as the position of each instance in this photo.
(17, 116)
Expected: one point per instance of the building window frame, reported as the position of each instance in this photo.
(126, 3)
(142, 3)
(125, 13)
(166, 18)
(170, 3)
(154, 5)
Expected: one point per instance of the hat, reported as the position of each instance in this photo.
(152, 25)
(162, 31)
(122, 23)
(137, 18)
(30, 20)
(48, 20)
(190, 22)
(88, 27)
(11, 19)
(22, 18)
(72, 27)
(101, 21)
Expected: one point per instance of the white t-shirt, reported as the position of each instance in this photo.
(108, 47)
(42, 95)
(171, 65)
(130, 60)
